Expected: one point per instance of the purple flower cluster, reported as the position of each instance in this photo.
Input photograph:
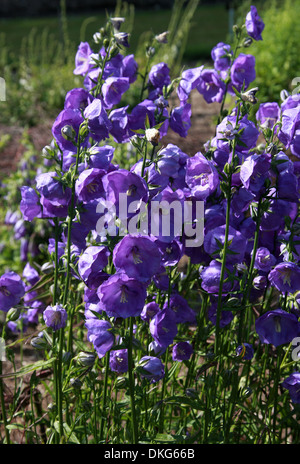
(250, 196)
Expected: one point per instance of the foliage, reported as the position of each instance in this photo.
(277, 57)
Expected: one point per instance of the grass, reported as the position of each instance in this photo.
(37, 54)
(210, 25)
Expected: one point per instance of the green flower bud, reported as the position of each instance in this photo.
(247, 42)
(121, 383)
(86, 359)
(68, 133)
(47, 268)
(76, 383)
(39, 343)
(13, 314)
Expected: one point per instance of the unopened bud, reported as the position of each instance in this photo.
(150, 51)
(106, 43)
(68, 133)
(13, 314)
(272, 149)
(122, 38)
(39, 343)
(86, 359)
(76, 383)
(47, 152)
(163, 37)
(47, 268)
(152, 136)
(247, 42)
(284, 94)
(191, 393)
(246, 392)
(120, 383)
(249, 96)
(236, 29)
(117, 23)
(97, 37)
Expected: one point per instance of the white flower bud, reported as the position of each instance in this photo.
(152, 135)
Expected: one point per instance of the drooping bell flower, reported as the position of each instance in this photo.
(119, 120)
(55, 317)
(189, 81)
(159, 75)
(12, 289)
(138, 256)
(264, 260)
(100, 157)
(89, 185)
(292, 384)
(100, 335)
(151, 368)
(30, 274)
(149, 311)
(211, 86)
(163, 327)
(72, 119)
(268, 114)
(53, 193)
(242, 72)
(122, 296)
(129, 68)
(180, 119)
(90, 264)
(221, 56)
(277, 327)
(210, 278)
(77, 99)
(285, 277)
(216, 238)
(82, 59)
(241, 200)
(30, 204)
(118, 361)
(254, 24)
(273, 219)
(98, 123)
(289, 133)
(182, 351)
(183, 312)
(245, 351)
(201, 176)
(254, 172)
(113, 89)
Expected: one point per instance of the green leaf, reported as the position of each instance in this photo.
(30, 368)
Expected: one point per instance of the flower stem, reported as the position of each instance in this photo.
(131, 384)
(4, 417)
(104, 396)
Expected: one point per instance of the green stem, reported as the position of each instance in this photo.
(276, 384)
(3, 407)
(66, 294)
(163, 389)
(131, 385)
(104, 397)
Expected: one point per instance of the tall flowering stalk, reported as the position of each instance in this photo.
(138, 336)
